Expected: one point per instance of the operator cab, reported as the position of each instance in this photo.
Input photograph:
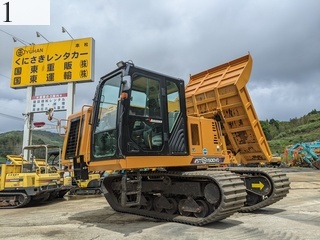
(138, 112)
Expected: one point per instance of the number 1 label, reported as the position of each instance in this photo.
(22, 12)
(7, 12)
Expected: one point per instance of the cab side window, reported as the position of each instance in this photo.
(145, 98)
(173, 101)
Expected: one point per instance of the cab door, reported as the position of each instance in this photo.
(155, 115)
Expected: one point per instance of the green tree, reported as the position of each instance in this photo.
(266, 129)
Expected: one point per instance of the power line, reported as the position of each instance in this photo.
(14, 37)
(4, 76)
(12, 117)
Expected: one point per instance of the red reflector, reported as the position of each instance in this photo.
(39, 124)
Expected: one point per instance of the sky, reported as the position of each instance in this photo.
(179, 38)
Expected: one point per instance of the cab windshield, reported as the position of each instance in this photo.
(105, 127)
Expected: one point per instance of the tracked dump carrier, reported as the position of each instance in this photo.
(170, 148)
(23, 181)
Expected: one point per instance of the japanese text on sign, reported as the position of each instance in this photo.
(43, 103)
(53, 63)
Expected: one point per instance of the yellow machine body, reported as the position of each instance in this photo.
(205, 135)
(85, 183)
(23, 181)
(13, 178)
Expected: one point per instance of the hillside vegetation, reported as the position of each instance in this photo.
(11, 142)
(281, 134)
(278, 133)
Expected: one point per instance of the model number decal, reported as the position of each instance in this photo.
(207, 160)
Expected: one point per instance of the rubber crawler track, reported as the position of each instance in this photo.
(280, 185)
(231, 187)
(26, 199)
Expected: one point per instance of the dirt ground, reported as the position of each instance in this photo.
(295, 217)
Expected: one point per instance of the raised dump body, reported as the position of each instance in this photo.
(221, 93)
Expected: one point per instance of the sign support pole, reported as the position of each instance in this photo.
(71, 97)
(27, 136)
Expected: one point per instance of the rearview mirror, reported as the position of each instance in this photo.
(126, 81)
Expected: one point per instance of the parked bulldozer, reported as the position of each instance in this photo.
(24, 181)
(171, 146)
(83, 181)
(87, 185)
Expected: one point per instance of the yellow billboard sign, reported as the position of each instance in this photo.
(53, 63)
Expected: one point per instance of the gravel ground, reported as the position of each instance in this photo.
(89, 217)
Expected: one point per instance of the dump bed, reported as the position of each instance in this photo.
(221, 93)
